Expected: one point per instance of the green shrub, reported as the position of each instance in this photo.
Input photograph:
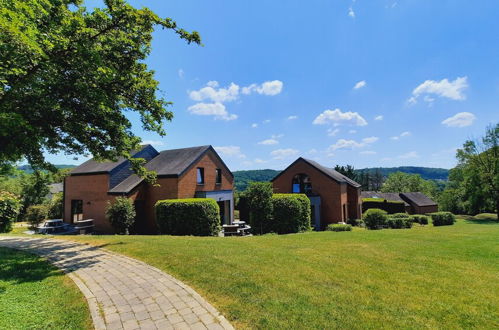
(194, 216)
(55, 206)
(421, 219)
(375, 218)
(339, 227)
(399, 221)
(400, 215)
(442, 218)
(291, 213)
(10, 205)
(36, 214)
(121, 214)
(259, 198)
(382, 204)
(355, 222)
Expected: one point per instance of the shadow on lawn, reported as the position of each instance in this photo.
(19, 267)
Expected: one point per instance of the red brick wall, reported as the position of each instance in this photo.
(354, 203)
(333, 195)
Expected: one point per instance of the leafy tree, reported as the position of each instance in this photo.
(259, 195)
(9, 210)
(56, 206)
(402, 182)
(34, 190)
(480, 162)
(121, 214)
(348, 171)
(68, 74)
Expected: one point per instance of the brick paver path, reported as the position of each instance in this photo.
(124, 293)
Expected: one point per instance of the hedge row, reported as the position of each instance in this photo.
(291, 213)
(378, 219)
(442, 218)
(339, 227)
(194, 216)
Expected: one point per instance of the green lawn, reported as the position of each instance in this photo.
(425, 277)
(35, 295)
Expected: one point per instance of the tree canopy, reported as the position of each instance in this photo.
(68, 75)
(403, 182)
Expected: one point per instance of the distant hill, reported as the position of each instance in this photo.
(243, 178)
(28, 169)
(427, 173)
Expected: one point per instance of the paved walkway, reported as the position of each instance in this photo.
(124, 293)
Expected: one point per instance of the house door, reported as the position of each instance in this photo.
(221, 205)
(140, 224)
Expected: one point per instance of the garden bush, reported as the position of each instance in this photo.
(421, 219)
(375, 218)
(442, 218)
(291, 213)
(259, 197)
(55, 206)
(339, 227)
(355, 222)
(380, 203)
(35, 214)
(399, 221)
(10, 206)
(121, 214)
(194, 216)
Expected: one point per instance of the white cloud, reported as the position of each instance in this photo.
(411, 154)
(380, 117)
(370, 139)
(333, 132)
(213, 93)
(254, 125)
(453, 90)
(337, 116)
(351, 13)
(312, 151)
(401, 135)
(266, 121)
(352, 131)
(211, 109)
(230, 151)
(352, 144)
(292, 117)
(461, 119)
(259, 161)
(360, 84)
(269, 142)
(153, 142)
(368, 152)
(277, 136)
(271, 88)
(181, 73)
(283, 153)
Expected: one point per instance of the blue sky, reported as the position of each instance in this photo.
(365, 82)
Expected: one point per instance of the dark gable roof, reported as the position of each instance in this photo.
(169, 163)
(93, 166)
(335, 175)
(417, 198)
(388, 196)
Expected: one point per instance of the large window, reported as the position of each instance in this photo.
(200, 175)
(302, 184)
(218, 174)
(76, 210)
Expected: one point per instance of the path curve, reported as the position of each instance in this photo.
(122, 292)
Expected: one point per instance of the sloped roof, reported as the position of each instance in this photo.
(418, 198)
(388, 196)
(169, 163)
(335, 175)
(93, 166)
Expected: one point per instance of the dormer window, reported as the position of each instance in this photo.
(200, 175)
(302, 184)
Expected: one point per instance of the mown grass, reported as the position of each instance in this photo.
(424, 277)
(35, 295)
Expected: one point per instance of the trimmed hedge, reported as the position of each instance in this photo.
(36, 214)
(421, 219)
(375, 218)
(193, 216)
(259, 196)
(121, 214)
(442, 218)
(10, 205)
(399, 221)
(338, 227)
(379, 203)
(291, 213)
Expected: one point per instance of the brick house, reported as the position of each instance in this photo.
(333, 196)
(182, 173)
(415, 202)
